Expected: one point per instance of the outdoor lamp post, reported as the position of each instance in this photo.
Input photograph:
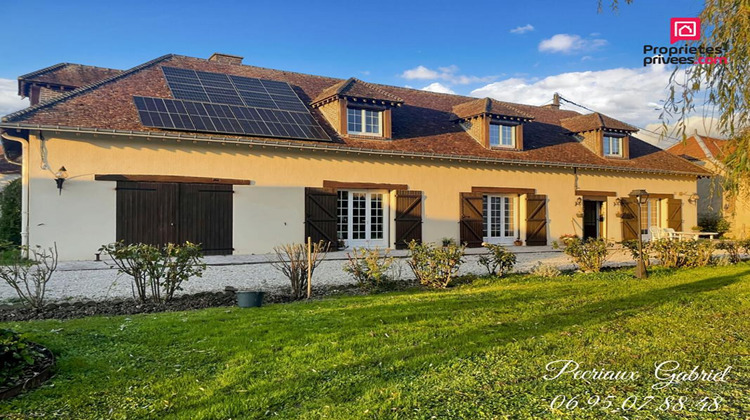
(641, 197)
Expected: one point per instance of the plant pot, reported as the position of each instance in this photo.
(249, 299)
(518, 242)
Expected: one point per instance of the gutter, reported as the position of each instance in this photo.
(292, 145)
(24, 186)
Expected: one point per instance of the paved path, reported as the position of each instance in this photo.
(99, 280)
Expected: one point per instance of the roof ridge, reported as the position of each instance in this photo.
(43, 70)
(84, 89)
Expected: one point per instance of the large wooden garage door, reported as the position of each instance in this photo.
(158, 213)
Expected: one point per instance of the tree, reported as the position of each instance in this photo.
(721, 88)
(10, 213)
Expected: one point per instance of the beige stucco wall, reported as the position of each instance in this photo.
(271, 211)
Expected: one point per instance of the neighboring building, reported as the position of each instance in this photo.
(8, 172)
(242, 158)
(708, 152)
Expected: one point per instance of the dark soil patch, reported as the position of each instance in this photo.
(31, 377)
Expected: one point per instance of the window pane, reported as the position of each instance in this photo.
(495, 206)
(615, 146)
(376, 216)
(354, 120)
(607, 148)
(507, 139)
(485, 217)
(494, 135)
(510, 229)
(372, 122)
(342, 210)
(359, 215)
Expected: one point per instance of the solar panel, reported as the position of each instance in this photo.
(221, 103)
(179, 114)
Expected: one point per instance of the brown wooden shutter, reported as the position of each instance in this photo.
(320, 215)
(629, 216)
(408, 217)
(472, 220)
(674, 212)
(536, 220)
(147, 212)
(206, 217)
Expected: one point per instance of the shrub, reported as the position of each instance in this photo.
(673, 253)
(16, 354)
(29, 276)
(732, 248)
(499, 261)
(368, 267)
(589, 254)
(632, 246)
(435, 266)
(714, 223)
(157, 272)
(10, 213)
(545, 270)
(291, 260)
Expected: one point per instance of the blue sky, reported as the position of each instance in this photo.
(567, 46)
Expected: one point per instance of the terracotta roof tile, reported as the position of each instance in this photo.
(65, 74)
(595, 121)
(422, 125)
(691, 149)
(353, 87)
(488, 106)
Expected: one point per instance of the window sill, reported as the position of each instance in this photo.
(511, 148)
(366, 136)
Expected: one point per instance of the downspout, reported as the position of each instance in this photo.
(24, 185)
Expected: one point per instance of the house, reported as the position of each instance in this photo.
(241, 158)
(713, 202)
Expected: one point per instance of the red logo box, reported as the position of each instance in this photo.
(684, 29)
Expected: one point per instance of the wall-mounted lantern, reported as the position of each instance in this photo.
(60, 177)
(693, 198)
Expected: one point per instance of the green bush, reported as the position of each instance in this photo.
(632, 246)
(674, 253)
(157, 272)
(368, 267)
(714, 223)
(435, 266)
(16, 354)
(589, 254)
(545, 270)
(732, 248)
(499, 261)
(10, 214)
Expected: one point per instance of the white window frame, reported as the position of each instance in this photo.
(502, 239)
(363, 116)
(501, 137)
(367, 242)
(653, 217)
(607, 141)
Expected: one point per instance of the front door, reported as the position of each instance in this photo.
(592, 219)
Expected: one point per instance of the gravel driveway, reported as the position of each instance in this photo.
(99, 280)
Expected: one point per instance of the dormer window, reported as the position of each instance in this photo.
(502, 135)
(612, 146)
(364, 121)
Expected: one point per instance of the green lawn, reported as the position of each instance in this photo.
(474, 351)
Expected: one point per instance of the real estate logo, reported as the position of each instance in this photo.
(684, 29)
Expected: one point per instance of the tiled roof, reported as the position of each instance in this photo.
(594, 121)
(66, 74)
(353, 87)
(691, 149)
(488, 106)
(422, 126)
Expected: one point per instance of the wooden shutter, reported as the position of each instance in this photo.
(147, 212)
(320, 215)
(674, 212)
(472, 220)
(536, 220)
(629, 216)
(408, 217)
(206, 217)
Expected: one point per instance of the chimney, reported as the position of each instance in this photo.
(555, 102)
(226, 58)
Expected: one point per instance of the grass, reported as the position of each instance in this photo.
(474, 351)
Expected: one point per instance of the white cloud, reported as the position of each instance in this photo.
(632, 95)
(449, 74)
(566, 43)
(438, 87)
(522, 29)
(9, 99)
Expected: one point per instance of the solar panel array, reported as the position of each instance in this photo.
(221, 103)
